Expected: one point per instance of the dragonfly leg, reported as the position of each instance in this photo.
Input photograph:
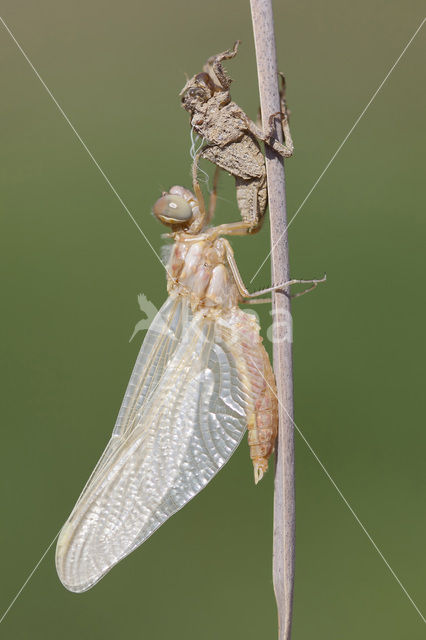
(278, 287)
(206, 216)
(286, 149)
(230, 229)
(201, 221)
(213, 196)
(258, 301)
(285, 114)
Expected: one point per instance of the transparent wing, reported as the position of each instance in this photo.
(159, 345)
(181, 420)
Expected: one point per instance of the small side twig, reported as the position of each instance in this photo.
(284, 503)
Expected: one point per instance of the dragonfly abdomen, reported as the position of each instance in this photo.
(256, 372)
(264, 425)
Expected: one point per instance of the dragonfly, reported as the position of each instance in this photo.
(201, 379)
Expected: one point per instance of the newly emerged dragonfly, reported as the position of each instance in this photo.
(201, 378)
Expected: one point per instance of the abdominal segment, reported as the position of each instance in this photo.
(257, 376)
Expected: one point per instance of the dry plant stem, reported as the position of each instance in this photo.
(284, 503)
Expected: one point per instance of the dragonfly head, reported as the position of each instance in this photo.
(177, 208)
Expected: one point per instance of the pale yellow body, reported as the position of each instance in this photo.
(198, 269)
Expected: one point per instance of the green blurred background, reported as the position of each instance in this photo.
(73, 263)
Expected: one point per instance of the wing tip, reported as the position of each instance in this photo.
(62, 561)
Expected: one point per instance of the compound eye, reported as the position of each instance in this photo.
(172, 210)
(196, 93)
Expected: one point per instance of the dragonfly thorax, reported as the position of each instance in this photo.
(198, 269)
